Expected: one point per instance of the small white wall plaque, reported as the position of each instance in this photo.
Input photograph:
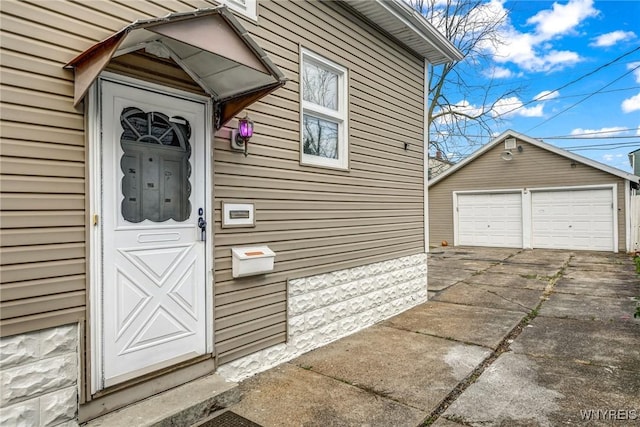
(238, 215)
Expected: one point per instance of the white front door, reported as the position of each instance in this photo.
(153, 287)
(490, 219)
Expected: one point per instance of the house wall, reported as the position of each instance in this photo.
(325, 307)
(533, 167)
(319, 220)
(316, 220)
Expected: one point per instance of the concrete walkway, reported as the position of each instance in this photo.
(508, 338)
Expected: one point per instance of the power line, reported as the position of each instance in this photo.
(542, 98)
(574, 80)
(591, 137)
(596, 134)
(587, 135)
(585, 98)
(603, 147)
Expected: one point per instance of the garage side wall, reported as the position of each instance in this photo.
(534, 167)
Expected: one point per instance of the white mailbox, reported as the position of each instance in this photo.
(251, 260)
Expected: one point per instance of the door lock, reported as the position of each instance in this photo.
(202, 224)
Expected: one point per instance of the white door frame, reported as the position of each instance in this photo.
(94, 268)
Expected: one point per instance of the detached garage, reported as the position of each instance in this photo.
(523, 193)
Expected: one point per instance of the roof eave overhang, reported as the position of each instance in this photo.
(513, 134)
(209, 44)
(408, 27)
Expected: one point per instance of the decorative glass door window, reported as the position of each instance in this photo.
(323, 120)
(156, 167)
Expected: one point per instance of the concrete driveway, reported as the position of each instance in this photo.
(509, 338)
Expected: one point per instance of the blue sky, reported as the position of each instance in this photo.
(577, 64)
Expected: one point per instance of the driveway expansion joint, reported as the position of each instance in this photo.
(503, 347)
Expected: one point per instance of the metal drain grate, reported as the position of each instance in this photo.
(229, 419)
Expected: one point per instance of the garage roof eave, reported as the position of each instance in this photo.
(510, 133)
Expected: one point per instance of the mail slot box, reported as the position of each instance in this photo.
(252, 260)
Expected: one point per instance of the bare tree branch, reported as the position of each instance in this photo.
(457, 129)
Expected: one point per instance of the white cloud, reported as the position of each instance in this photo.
(466, 108)
(607, 157)
(499, 73)
(512, 106)
(599, 133)
(610, 39)
(562, 18)
(636, 72)
(631, 104)
(533, 51)
(546, 95)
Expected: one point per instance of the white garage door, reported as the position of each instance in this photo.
(490, 220)
(574, 219)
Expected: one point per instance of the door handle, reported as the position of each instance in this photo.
(203, 228)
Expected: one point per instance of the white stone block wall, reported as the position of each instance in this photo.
(326, 307)
(39, 378)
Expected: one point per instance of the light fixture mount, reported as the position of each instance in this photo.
(506, 155)
(240, 136)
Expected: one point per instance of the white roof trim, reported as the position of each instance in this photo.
(510, 133)
(396, 17)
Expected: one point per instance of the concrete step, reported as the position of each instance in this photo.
(180, 406)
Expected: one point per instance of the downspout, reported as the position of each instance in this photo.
(425, 148)
(627, 214)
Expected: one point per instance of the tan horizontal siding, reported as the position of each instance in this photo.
(42, 161)
(31, 306)
(246, 238)
(21, 133)
(36, 150)
(327, 260)
(318, 220)
(39, 270)
(233, 285)
(252, 347)
(533, 167)
(31, 221)
(34, 236)
(37, 288)
(253, 325)
(22, 324)
(233, 321)
(42, 83)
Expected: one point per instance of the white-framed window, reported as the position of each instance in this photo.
(248, 8)
(323, 114)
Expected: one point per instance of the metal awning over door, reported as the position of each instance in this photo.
(208, 44)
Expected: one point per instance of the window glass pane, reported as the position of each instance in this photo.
(320, 137)
(156, 168)
(320, 86)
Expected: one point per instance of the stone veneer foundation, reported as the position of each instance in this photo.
(326, 307)
(39, 378)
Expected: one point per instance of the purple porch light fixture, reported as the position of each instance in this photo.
(241, 136)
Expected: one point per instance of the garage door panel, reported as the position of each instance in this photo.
(573, 219)
(490, 220)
